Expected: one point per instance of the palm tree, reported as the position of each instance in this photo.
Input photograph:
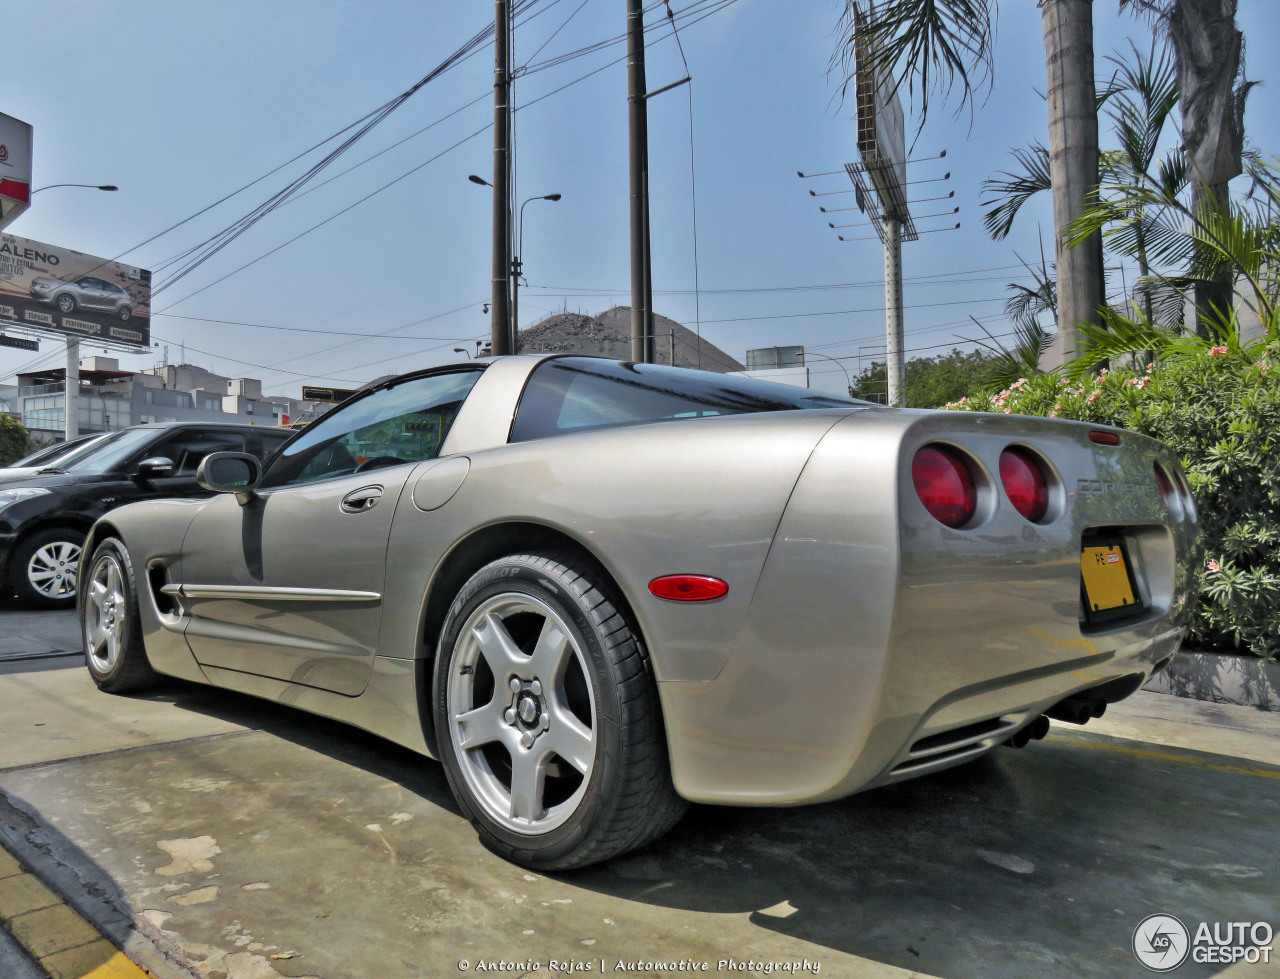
(1139, 99)
(934, 46)
(1210, 59)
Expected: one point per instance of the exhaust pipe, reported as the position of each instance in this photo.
(1074, 711)
(1019, 738)
(1039, 727)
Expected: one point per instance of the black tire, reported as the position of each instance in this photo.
(627, 798)
(40, 555)
(125, 313)
(66, 303)
(125, 668)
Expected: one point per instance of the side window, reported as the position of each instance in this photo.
(262, 445)
(404, 423)
(188, 449)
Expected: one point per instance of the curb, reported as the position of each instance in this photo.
(56, 940)
(63, 919)
(1220, 678)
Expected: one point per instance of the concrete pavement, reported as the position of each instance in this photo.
(214, 835)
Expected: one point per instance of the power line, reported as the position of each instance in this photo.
(843, 312)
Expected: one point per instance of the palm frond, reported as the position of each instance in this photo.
(1008, 190)
(930, 47)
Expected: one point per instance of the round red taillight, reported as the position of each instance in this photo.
(944, 484)
(688, 587)
(1025, 483)
(1168, 490)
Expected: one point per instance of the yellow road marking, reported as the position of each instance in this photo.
(1180, 759)
(116, 967)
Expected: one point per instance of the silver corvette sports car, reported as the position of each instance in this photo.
(597, 591)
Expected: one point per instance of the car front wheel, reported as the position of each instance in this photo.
(547, 716)
(109, 623)
(43, 567)
(66, 303)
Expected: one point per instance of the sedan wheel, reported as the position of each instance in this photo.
(125, 312)
(67, 304)
(547, 716)
(42, 570)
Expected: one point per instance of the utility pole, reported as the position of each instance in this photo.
(638, 145)
(71, 390)
(893, 309)
(500, 323)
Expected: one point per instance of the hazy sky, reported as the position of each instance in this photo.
(180, 104)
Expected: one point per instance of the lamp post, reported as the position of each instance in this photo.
(516, 267)
(848, 381)
(71, 384)
(90, 186)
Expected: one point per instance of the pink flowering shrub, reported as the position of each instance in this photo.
(1220, 411)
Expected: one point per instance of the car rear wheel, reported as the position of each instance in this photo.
(125, 312)
(67, 303)
(109, 623)
(547, 716)
(43, 567)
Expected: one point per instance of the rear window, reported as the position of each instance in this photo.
(578, 394)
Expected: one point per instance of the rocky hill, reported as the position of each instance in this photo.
(608, 334)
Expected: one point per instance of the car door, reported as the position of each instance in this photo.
(289, 584)
(90, 293)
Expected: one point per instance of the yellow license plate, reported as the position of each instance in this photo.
(1106, 578)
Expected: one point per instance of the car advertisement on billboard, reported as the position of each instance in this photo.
(50, 289)
(15, 168)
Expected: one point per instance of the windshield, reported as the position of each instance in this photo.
(49, 453)
(97, 457)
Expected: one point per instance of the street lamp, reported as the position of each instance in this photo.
(814, 353)
(516, 268)
(90, 186)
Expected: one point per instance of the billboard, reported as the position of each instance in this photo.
(50, 289)
(882, 141)
(15, 168)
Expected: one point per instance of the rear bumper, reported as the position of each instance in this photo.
(880, 645)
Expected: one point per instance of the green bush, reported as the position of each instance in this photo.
(929, 382)
(1219, 411)
(14, 440)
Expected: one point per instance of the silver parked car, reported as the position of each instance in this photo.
(598, 591)
(88, 292)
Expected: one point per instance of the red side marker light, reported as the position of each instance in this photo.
(688, 587)
(1104, 438)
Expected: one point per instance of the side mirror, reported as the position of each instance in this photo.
(230, 472)
(156, 467)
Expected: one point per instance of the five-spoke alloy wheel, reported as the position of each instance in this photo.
(523, 721)
(109, 625)
(546, 715)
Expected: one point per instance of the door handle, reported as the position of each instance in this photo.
(358, 501)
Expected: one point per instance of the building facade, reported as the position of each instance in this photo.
(111, 399)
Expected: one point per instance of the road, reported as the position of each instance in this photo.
(220, 836)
